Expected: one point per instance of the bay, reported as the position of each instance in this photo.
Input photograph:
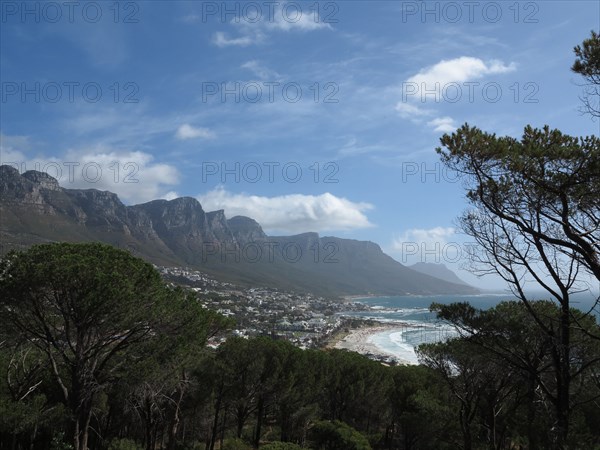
(417, 325)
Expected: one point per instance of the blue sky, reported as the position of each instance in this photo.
(307, 116)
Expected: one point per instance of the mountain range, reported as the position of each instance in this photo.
(34, 208)
(438, 271)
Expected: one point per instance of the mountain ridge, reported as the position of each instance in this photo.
(438, 271)
(179, 232)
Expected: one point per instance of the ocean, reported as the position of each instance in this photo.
(419, 325)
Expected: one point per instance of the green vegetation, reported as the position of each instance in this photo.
(503, 373)
(338, 436)
(96, 351)
(281, 446)
(78, 317)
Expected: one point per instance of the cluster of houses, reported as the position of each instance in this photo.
(304, 319)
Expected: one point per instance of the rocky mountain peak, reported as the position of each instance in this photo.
(7, 172)
(42, 179)
(181, 212)
(11, 180)
(246, 229)
(31, 187)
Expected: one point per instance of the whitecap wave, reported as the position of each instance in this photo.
(401, 342)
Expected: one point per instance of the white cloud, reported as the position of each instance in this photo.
(353, 148)
(432, 82)
(11, 148)
(443, 124)
(427, 245)
(295, 213)
(261, 71)
(132, 175)
(221, 39)
(437, 234)
(171, 195)
(288, 18)
(459, 70)
(409, 111)
(187, 131)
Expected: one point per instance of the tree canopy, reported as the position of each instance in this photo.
(91, 310)
(587, 64)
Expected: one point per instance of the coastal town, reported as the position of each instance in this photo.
(305, 320)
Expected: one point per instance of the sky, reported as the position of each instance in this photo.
(306, 116)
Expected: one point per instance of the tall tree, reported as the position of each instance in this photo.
(88, 308)
(536, 220)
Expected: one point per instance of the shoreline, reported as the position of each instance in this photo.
(353, 298)
(358, 340)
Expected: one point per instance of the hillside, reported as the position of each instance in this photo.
(35, 209)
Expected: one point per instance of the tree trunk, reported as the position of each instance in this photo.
(176, 418)
(33, 436)
(563, 378)
(389, 436)
(148, 425)
(466, 429)
(241, 415)
(215, 427)
(223, 427)
(87, 417)
(259, 418)
(531, 433)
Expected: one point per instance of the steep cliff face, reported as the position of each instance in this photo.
(34, 208)
(35, 192)
(95, 208)
(14, 187)
(246, 230)
(31, 188)
(182, 216)
(186, 228)
(220, 233)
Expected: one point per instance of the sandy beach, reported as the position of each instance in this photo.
(358, 340)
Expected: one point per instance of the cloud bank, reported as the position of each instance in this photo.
(294, 213)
